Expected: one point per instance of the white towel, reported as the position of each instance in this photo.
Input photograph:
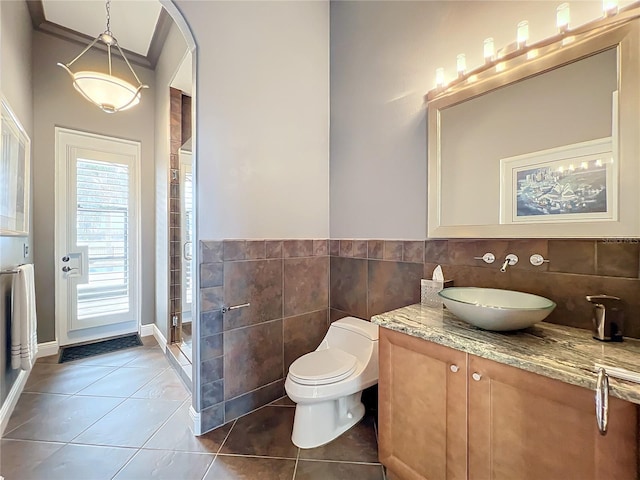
(24, 339)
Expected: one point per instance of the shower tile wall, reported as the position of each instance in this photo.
(373, 276)
(246, 353)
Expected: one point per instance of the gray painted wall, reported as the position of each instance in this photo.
(383, 61)
(58, 104)
(15, 85)
(262, 103)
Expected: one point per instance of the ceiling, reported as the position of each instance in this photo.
(140, 26)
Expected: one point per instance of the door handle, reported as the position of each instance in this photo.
(186, 248)
(67, 269)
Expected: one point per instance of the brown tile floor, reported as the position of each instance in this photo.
(125, 415)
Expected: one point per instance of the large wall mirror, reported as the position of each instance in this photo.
(543, 143)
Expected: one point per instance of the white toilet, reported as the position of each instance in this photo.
(327, 384)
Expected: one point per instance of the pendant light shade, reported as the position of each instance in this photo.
(108, 92)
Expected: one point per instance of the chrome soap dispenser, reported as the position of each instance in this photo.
(608, 317)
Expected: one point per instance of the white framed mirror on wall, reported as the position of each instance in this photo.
(542, 142)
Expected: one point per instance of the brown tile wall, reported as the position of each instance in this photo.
(387, 277)
(246, 353)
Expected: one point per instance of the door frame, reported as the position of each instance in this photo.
(60, 161)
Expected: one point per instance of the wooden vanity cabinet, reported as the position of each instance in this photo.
(492, 421)
(422, 416)
(526, 426)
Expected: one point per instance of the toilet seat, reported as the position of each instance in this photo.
(322, 367)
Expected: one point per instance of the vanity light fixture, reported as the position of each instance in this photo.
(563, 16)
(106, 91)
(489, 50)
(522, 34)
(494, 59)
(439, 77)
(609, 7)
(461, 64)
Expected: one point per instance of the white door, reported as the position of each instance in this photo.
(186, 217)
(97, 247)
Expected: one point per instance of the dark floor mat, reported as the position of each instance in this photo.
(89, 350)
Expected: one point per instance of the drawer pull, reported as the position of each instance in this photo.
(602, 401)
(476, 376)
(454, 368)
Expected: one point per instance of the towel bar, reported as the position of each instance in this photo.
(12, 271)
(8, 272)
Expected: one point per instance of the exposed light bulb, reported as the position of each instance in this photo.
(522, 33)
(563, 15)
(489, 50)
(461, 64)
(440, 77)
(609, 7)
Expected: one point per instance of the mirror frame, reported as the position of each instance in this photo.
(620, 32)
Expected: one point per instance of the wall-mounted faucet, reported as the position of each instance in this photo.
(509, 261)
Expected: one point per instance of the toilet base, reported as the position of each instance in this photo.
(316, 424)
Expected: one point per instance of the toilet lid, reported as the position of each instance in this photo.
(322, 367)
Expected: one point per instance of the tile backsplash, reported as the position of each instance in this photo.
(387, 275)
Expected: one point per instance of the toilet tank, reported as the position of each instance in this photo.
(355, 336)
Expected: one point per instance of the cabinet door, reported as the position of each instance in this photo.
(422, 409)
(525, 426)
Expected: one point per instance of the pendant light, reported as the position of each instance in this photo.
(110, 93)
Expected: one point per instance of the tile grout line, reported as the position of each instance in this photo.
(126, 463)
(162, 424)
(215, 456)
(295, 468)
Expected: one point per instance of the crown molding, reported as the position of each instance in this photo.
(41, 24)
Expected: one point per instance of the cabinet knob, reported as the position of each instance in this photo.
(454, 368)
(476, 376)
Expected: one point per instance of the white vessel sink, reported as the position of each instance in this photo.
(495, 309)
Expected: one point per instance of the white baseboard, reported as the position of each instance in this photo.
(12, 399)
(152, 329)
(146, 330)
(196, 426)
(47, 349)
(160, 338)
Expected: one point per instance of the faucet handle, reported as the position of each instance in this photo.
(487, 258)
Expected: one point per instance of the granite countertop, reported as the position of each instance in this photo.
(555, 351)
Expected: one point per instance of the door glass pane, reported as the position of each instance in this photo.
(102, 226)
(188, 213)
